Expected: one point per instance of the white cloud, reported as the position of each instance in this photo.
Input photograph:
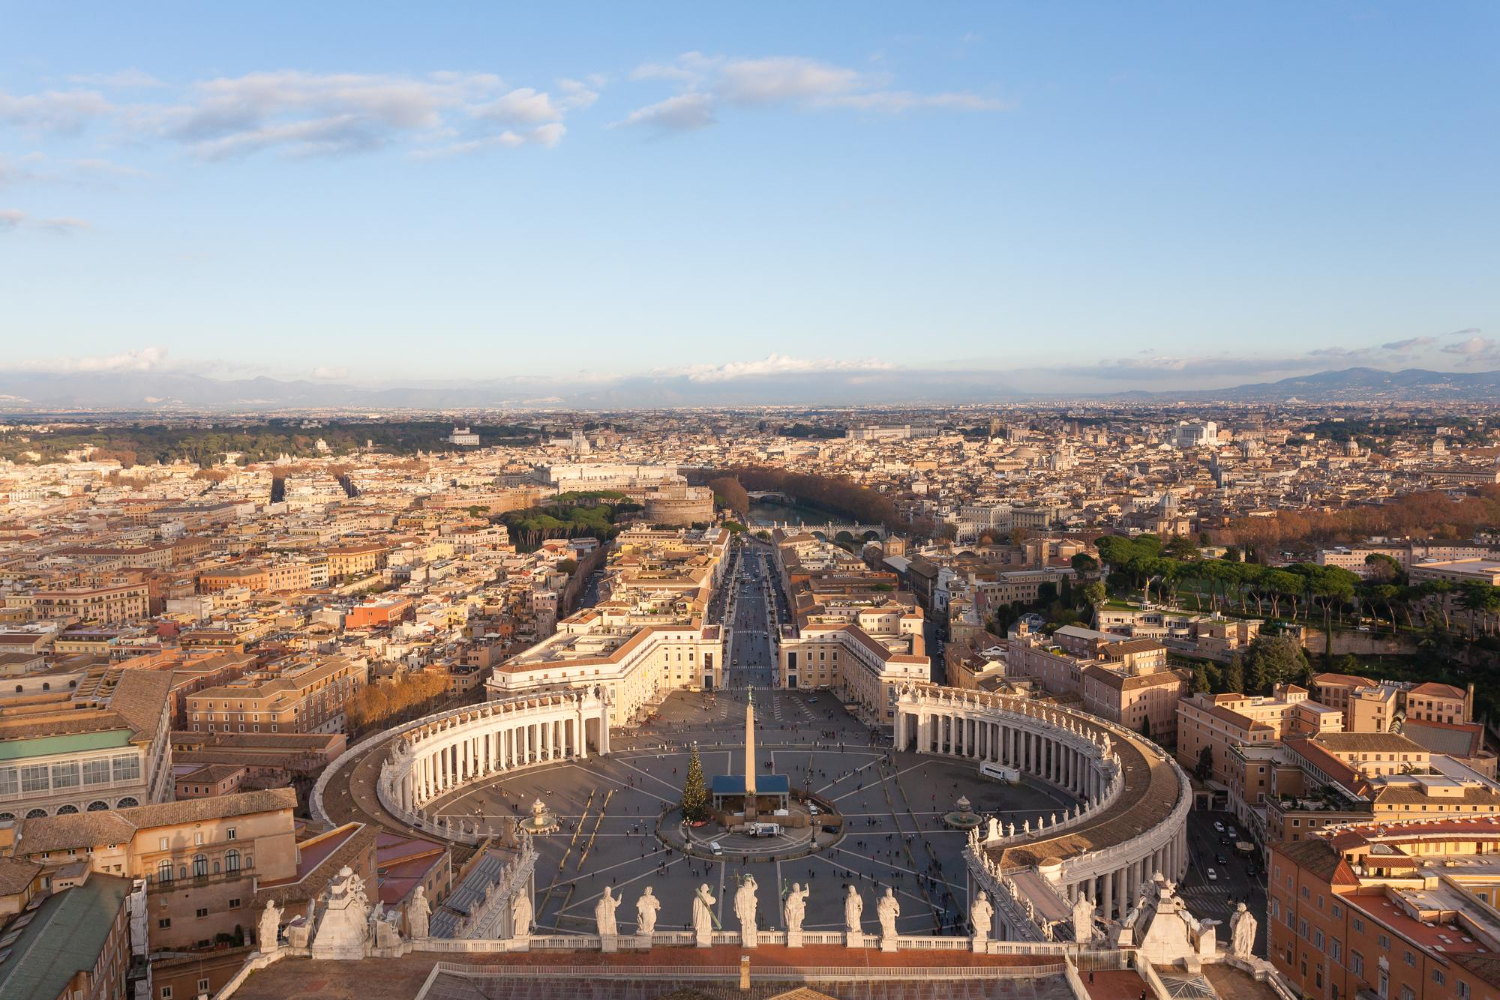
(682, 113)
(332, 372)
(54, 110)
(13, 218)
(301, 113)
(777, 364)
(709, 82)
(146, 359)
(1475, 350)
(524, 106)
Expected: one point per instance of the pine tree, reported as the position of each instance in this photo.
(1205, 768)
(694, 794)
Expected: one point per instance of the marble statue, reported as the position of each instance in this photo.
(645, 913)
(993, 830)
(270, 920)
(521, 914)
(384, 927)
(854, 908)
(604, 914)
(1083, 920)
(703, 915)
(343, 929)
(1242, 932)
(795, 908)
(417, 912)
(744, 909)
(982, 916)
(888, 909)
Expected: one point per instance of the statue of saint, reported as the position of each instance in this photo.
(744, 909)
(982, 915)
(703, 913)
(888, 909)
(1083, 920)
(521, 914)
(1242, 932)
(854, 908)
(417, 912)
(645, 912)
(795, 908)
(270, 920)
(604, 914)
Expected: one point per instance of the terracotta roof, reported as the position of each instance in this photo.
(1315, 856)
(82, 831)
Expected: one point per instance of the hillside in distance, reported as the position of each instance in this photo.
(28, 391)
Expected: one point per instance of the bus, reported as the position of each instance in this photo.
(999, 772)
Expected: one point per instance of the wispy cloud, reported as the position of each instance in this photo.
(708, 83)
(776, 364)
(306, 114)
(13, 219)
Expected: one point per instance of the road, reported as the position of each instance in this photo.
(1215, 899)
(752, 659)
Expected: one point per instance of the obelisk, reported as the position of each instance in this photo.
(750, 757)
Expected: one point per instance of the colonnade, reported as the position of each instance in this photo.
(1131, 824)
(473, 743)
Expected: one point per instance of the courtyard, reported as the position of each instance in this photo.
(892, 804)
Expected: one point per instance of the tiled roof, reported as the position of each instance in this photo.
(82, 831)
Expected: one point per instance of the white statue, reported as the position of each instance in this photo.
(744, 909)
(703, 913)
(888, 909)
(1242, 932)
(795, 908)
(344, 929)
(417, 912)
(854, 908)
(982, 916)
(270, 920)
(521, 914)
(604, 914)
(1083, 920)
(993, 829)
(645, 912)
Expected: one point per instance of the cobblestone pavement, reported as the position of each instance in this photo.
(893, 805)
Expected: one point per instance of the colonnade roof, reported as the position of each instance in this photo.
(1150, 793)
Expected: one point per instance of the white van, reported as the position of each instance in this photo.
(715, 849)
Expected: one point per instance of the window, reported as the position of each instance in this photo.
(164, 871)
(161, 844)
(1410, 959)
(203, 986)
(164, 922)
(1438, 977)
(200, 865)
(65, 775)
(202, 912)
(198, 837)
(126, 767)
(234, 903)
(34, 778)
(232, 861)
(230, 833)
(166, 993)
(1356, 963)
(96, 772)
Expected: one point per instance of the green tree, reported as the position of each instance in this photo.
(694, 791)
(1200, 680)
(1232, 678)
(1084, 564)
(1204, 769)
(1271, 660)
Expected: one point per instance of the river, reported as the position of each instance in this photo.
(765, 514)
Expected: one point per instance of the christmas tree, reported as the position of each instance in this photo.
(694, 794)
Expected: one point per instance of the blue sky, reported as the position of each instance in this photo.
(1080, 195)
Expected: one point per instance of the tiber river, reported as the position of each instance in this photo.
(775, 513)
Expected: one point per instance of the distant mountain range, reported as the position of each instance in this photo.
(160, 391)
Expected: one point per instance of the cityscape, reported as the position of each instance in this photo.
(710, 507)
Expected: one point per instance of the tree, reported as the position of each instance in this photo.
(1272, 660)
(728, 492)
(1084, 564)
(1094, 593)
(1205, 766)
(1232, 678)
(1146, 726)
(694, 792)
(1018, 536)
(1200, 680)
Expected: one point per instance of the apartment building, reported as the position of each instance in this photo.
(102, 743)
(1219, 722)
(1388, 910)
(201, 858)
(308, 697)
(114, 604)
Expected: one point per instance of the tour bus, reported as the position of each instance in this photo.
(999, 772)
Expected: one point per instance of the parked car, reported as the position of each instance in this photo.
(1213, 876)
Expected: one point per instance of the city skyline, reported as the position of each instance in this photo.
(1180, 198)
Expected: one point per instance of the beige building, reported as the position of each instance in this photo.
(307, 698)
(200, 858)
(122, 603)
